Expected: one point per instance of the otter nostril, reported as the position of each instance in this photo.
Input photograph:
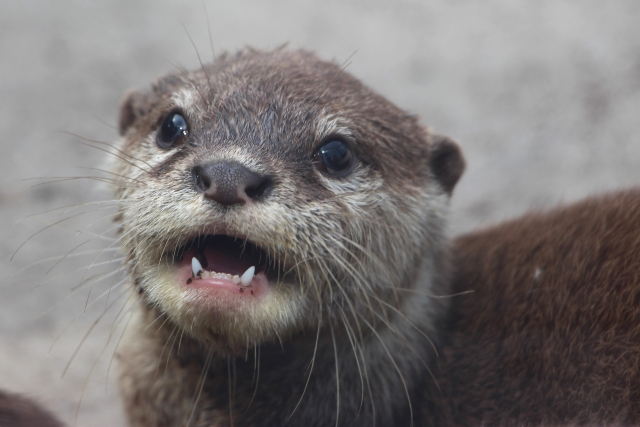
(202, 180)
(229, 183)
(260, 189)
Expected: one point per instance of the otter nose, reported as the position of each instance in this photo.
(230, 183)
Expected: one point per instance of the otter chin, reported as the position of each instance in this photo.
(285, 231)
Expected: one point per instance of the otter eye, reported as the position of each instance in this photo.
(334, 158)
(173, 131)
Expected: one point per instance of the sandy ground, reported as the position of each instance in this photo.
(544, 97)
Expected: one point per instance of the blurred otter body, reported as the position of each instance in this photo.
(285, 230)
(551, 333)
(18, 411)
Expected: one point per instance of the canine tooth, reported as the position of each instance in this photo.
(196, 267)
(247, 276)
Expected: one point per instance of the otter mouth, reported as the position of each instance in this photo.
(221, 262)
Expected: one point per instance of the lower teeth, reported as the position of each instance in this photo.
(214, 275)
(244, 281)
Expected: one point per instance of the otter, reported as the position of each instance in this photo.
(20, 411)
(285, 232)
(550, 334)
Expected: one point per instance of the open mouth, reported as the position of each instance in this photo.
(220, 262)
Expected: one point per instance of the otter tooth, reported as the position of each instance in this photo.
(247, 276)
(196, 267)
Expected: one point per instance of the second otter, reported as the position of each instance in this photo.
(550, 336)
(286, 230)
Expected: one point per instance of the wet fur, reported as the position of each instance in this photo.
(345, 337)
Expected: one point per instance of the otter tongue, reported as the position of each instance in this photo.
(226, 260)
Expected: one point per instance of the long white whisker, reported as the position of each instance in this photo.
(203, 377)
(395, 365)
(95, 323)
(335, 353)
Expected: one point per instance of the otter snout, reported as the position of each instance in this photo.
(230, 183)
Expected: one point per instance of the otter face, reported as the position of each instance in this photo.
(272, 192)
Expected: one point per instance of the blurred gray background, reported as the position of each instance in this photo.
(544, 97)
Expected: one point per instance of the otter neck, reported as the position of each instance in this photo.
(359, 376)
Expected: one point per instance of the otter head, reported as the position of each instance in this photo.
(272, 192)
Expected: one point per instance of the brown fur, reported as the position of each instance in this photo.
(18, 411)
(551, 333)
(366, 253)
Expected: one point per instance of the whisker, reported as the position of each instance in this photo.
(313, 359)
(104, 122)
(231, 362)
(48, 311)
(108, 145)
(353, 342)
(115, 350)
(206, 14)
(95, 323)
(344, 66)
(200, 385)
(256, 362)
(86, 382)
(150, 324)
(401, 314)
(185, 75)
(395, 365)
(44, 229)
(116, 156)
(55, 258)
(335, 353)
(76, 247)
(175, 328)
(115, 174)
(96, 278)
(417, 291)
(55, 180)
(73, 207)
(199, 59)
(77, 316)
(377, 261)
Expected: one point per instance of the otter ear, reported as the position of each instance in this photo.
(446, 161)
(133, 105)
